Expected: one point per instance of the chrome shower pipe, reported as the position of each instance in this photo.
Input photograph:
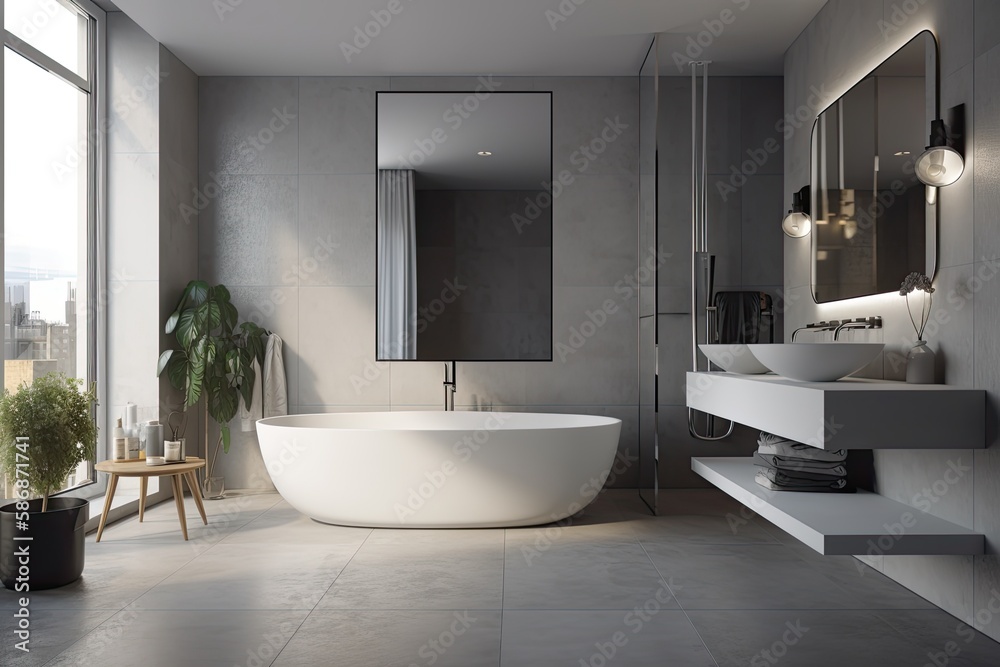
(699, 232)
(701, 262)
(450, 385)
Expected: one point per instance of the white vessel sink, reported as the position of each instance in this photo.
(733, 358)
(816, 362)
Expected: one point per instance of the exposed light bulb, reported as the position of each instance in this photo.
(796, 224)
(940, 164)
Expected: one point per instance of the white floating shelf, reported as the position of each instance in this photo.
(852, 413)
(844, 524)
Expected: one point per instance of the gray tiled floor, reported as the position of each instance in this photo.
(262, 585)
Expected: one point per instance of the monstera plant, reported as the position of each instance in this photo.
(215, 356)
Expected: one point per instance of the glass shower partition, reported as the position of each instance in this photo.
(647, 279)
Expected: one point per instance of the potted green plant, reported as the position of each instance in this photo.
(214, 360)
(47, 428)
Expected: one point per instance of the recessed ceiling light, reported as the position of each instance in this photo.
(484, 153)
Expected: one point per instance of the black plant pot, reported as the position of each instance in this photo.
(55, 548)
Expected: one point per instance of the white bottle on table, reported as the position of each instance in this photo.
(119, 451)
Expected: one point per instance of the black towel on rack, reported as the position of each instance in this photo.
(738, 316)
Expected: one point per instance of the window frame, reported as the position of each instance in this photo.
(95, 85)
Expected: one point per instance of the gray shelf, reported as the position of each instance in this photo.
(851, 413)
(847, 524)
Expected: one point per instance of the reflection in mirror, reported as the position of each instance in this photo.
(464, 227)
(873, 222)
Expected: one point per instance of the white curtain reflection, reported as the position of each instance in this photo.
(397, 265)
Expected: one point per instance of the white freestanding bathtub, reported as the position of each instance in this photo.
(438, 469)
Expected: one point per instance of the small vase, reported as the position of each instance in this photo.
(215, 488)
(920, 364)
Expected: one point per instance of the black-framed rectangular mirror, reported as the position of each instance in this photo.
(875, 222)
(464, 226)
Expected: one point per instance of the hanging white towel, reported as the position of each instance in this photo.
(270, 392)
(275, 387)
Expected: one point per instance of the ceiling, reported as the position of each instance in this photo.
(462, 37)
(422, 131)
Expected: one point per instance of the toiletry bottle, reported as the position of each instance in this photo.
(154, 438)
(140, 432)
(131, 412)
(119, 451)
(132, 447)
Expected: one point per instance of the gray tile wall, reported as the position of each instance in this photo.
(744, 214)
(291, 232)
(842, 44)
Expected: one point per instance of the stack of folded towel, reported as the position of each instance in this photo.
(786, 465)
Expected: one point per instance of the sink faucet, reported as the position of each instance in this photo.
(859, 323)
(450, 386)
(817, 327)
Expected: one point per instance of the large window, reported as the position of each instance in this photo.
(52, 169)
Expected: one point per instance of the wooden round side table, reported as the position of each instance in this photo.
(175, 471)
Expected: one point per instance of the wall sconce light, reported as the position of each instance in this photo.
(940, 164)
(797, 224)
